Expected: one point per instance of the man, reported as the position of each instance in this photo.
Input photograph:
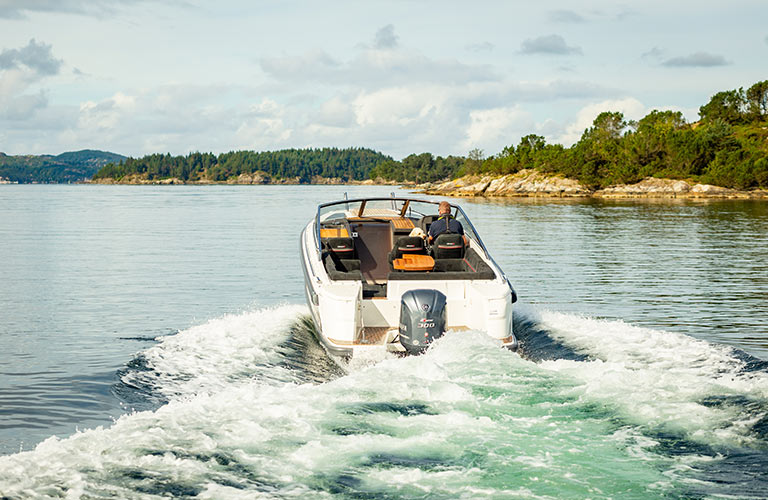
(445, 224)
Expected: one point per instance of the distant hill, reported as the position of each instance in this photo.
(75, 166)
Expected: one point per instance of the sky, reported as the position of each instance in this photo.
(137, 77)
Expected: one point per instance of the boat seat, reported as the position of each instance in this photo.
(448, 246)
(343, 269)
(470, 267)
(408, 244)
(341, 260)
(341, 248)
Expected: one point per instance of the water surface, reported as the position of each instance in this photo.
(160, 333)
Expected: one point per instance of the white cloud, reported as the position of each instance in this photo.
(107, 114)
(493, 129)
(398, 105)
(335, 112)
(264, 126)
(22, 107)
(20, 70)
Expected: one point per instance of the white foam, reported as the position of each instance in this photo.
(659, 379)
(476, 410)
(212, 356)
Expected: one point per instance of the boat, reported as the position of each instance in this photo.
(373, 281)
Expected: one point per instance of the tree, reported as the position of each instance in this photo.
(650, 145)
(757, 101)
(728, 106)
(474, 161)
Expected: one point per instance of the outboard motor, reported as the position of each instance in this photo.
(422, 319)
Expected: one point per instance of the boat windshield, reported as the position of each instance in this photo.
(378, 207)
(390, 207)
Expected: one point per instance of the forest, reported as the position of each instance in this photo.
(727, 147)
(300, 164)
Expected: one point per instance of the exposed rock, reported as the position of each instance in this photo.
(530, 183)
(709, 191)
(257, 177)
(523, 183)
(533, 183)
(463, 186)
(649, 187)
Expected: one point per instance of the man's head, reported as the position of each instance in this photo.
(444, 208)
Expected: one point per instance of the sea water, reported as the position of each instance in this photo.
(155, 343)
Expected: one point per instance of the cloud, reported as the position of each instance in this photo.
(21, 69)
(372, 69)
(493, 129)
(385, 95)
(696, 60)
(312, 65)
(655, 53)
(385, 38)
(383, 64)
(566, 16)
(35, 56)
(18, 9)
(335, 112)
(18, 108)
(108, 113)
(548, 44)
(264, 126)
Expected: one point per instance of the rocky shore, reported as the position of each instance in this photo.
(531, 183)
(244, 179)
(526, 183)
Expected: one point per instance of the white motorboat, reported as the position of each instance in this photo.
(374, 282)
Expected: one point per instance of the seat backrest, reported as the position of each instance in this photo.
(343, 248)
(448, 246)
(408, 244)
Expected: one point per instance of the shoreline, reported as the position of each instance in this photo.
(524, 184)
(242, 180)
(533, 184)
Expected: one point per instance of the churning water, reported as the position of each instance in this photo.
(160, 334)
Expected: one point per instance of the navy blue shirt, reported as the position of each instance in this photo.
(443, 224)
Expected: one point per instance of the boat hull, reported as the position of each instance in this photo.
(347, 321)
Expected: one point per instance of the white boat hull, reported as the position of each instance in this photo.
(347, 322)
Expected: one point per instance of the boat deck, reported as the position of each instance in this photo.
(373, 335)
